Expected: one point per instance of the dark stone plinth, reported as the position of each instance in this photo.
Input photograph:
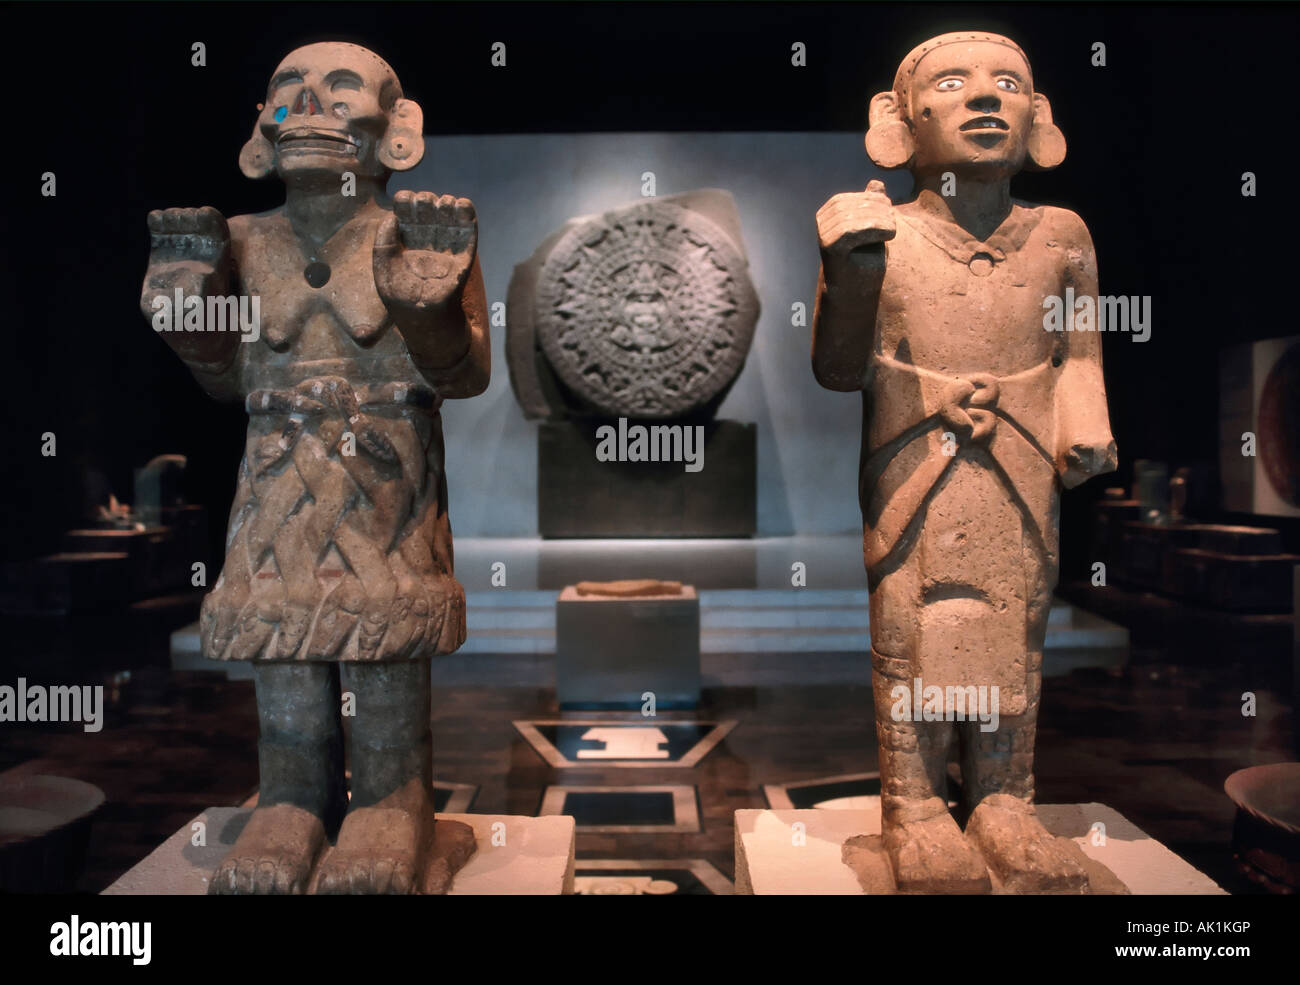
(581, 496)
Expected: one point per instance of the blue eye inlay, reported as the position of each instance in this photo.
(280, 113)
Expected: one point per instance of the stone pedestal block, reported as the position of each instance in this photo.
(521, 856)
(838, 852)
(609, 651)
(578, 495)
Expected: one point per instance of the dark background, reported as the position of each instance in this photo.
(106, 97)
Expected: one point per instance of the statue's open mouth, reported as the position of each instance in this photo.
(312, 140)
(984, 123)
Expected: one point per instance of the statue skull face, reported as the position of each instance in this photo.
(331, 108)
(972, 105)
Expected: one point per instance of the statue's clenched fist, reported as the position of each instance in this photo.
(189, 249)
(200, 236)
(424, 250)
(850, 225)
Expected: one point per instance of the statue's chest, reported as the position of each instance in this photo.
(946, 315)
(969, 308)
(331, 292)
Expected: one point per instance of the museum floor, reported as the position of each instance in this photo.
(1151, 739)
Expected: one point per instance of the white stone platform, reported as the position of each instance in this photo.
(775, 858)
(532, 856)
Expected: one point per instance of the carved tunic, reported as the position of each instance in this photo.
(339, 546)
(960, 524)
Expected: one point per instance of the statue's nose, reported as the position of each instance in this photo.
(985, 102)
(306, 104)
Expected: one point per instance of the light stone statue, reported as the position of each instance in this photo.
(974, 418)
(338, 582)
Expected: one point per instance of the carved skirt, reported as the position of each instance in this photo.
(965, 599)
(339, 547)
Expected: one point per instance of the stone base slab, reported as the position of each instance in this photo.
(520, 856)
(838, 852)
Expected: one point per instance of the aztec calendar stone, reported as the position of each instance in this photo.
(645, 311)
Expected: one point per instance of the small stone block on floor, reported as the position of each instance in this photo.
(611, 650)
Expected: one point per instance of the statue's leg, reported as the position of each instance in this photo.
(387, 843)
(998, 773)
(301, 794)
(925, 846)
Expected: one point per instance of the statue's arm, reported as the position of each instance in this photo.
(1084, 445)
(852, 229)
(189, 251)
(428, 275)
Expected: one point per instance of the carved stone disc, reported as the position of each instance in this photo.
(646, 311)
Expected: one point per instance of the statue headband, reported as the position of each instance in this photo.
(903, 80)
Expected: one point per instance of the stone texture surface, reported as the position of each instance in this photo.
(841, 852)
(974, 419)
(361, 315)
(1021, 855)
(536, 857)
(519, 856)
(629, 587)
(645, 311)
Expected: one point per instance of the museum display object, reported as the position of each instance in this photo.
(974, 418)
(638, 320)
(620, 644)
(338, 580)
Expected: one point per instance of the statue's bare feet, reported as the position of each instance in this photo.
(272, 855)
(932, 856)
(380, 849)
(1023, 855)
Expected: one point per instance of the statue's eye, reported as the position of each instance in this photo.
(346, 82)
(1008, 85)
(949, 85)
(286, 78)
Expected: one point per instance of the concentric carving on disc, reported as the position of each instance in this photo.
(646, 311)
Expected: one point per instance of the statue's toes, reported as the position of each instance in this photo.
(403, 879)
(383, 876)
(330, 880)
(264, 877)
(246, 876)
(361, 877)
(288, 880)
(223, 879)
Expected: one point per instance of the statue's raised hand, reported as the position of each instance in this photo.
(852, 226)
(189, 249)
(424, 250)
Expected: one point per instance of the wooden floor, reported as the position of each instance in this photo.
(1152, 740)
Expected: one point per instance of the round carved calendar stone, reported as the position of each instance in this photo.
(645, 311)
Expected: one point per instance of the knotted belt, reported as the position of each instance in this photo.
(1012, 417)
